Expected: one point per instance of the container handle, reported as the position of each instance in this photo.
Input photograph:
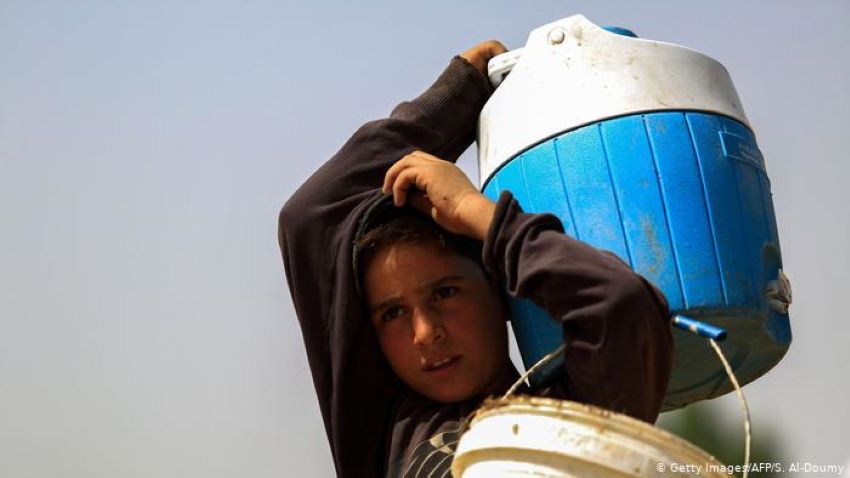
(500, 65)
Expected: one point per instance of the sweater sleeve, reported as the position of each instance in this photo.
(616, 324)
(441, 121)
(315, 231)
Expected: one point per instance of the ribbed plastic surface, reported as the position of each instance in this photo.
(684, 199)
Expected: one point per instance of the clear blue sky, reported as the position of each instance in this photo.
(146, 147)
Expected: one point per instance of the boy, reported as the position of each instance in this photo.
(396, 263)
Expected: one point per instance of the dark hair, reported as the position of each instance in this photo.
(414, 228)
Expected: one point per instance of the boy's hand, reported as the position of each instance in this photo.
(480, 54)
(440, 189)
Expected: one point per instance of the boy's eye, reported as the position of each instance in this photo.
(445, 292)
(391, 313)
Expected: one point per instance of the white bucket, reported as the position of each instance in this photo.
(541, 437)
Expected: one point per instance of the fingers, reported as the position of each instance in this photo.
(495, 47)
(411, 160)
(480, 54)
(437, 188)
(402, 183)
(390, 177)
(395, 170)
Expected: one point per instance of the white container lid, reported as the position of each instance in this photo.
(573, 72)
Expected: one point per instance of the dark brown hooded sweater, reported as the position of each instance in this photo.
(616, 325)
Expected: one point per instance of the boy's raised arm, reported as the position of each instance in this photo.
(616, 324)
(441, 121)
(316, 228)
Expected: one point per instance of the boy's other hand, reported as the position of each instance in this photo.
(440, 189)
(480, 54)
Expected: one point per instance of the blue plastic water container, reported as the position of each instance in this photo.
(662, 170)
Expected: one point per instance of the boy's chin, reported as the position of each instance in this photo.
(451, 394)
(447, 398)
(467, 386)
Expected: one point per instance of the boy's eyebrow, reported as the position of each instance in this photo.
(437, 282)
(431, 285)
(384, 304)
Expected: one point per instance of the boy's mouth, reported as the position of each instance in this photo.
(433, 366)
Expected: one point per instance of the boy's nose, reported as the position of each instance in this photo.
(427, 328)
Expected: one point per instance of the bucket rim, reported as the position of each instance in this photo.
(606, 420)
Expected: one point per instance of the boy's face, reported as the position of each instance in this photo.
(439, 321)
